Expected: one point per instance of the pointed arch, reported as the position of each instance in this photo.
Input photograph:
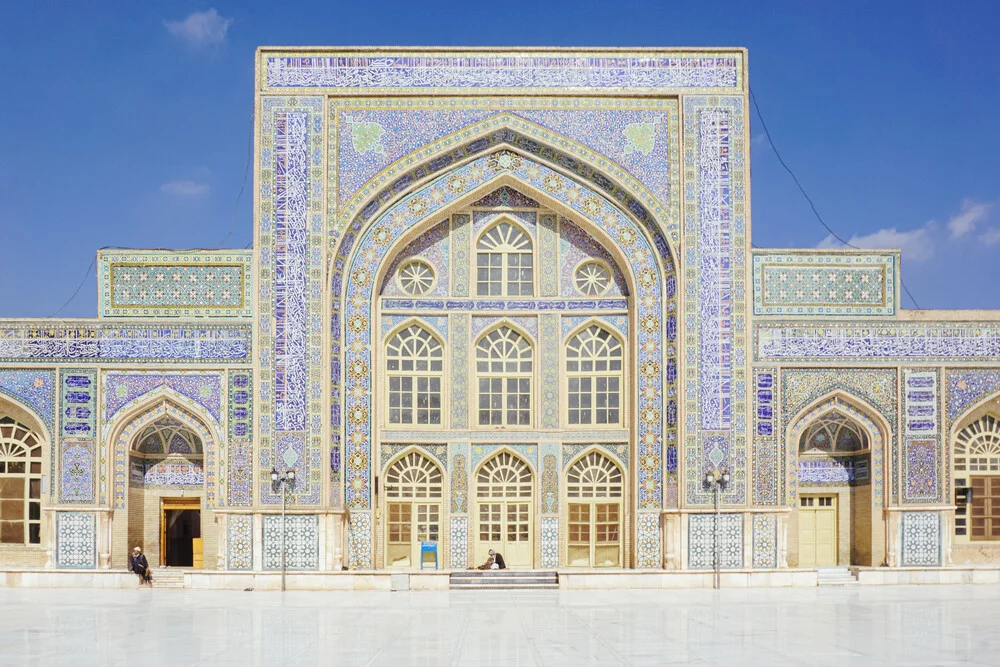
(504, 471)
(856, 408)
(958, 423)
(25, 413)
(414, 361)
(417, 461)
(595, 467)
(505, 263)
(594, 360)
(157, 403)
(505, 372)
(598, 321)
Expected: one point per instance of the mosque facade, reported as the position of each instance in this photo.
(501, 299)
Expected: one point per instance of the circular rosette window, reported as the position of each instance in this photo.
(416, 277)
(592, 278)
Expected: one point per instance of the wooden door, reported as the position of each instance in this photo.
(817, 531)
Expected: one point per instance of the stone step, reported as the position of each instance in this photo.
(502, 586)
(162, 579)
(492, 579)
(835, 576)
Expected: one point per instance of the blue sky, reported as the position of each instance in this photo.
(128, 123)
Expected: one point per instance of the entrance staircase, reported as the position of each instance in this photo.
(503, 579)
(835, 576)
(168, 578)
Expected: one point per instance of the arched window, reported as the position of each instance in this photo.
(414, 364)
(503, 262)
(168, 436)
(20, 484)
(413, 489)
(413, 476)
(833, 433)
(594, 375)
(977, 466)
(504, 368)
(504, 476)
(594, 491)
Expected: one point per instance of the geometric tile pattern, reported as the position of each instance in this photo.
(120, 389)
(34, 389)
(920, 471)
(766, 472)
(301, 542)
(648, 540)
(155, 283)
(715, 257)
(459, 542)
(78, 403)
(821, 283)
(77, 466)
(550, 541)
(765, 540)
(967, 387)
(290, 237)
(704, 536)
(240, 542)
(83, 342)
(345, 72)
(920, 402)
(238, 452)
(359, 546)
(921, 539)
(76, 540)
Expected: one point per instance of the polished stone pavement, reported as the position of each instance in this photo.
(905, 625)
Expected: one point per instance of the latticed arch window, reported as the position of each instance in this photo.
(20, 484)
(415, 366)
(594, 476)
(413, 477)
(504, 476)
(594, 512)
(594, 377)
(834, 433)
(977, 466)
(504, 369)
(504, 262)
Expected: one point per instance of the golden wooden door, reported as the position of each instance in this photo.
(817, 531)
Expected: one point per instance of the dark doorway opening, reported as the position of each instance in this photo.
(182, 530)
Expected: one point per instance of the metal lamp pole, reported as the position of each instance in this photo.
(717, 481)
(283, 480)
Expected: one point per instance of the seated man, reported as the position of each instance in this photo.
(493, 562)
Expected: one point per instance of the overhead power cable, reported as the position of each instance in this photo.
(812, 205)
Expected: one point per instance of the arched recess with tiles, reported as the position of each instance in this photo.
(525, 198)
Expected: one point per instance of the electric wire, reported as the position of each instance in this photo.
(777, 154)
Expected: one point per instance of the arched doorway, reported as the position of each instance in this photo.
(976, 453)
(837, 519)
(413, 492)
(594, 512)
(504, 509)
(166, 493)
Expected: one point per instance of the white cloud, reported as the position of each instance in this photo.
(185, 189)
(916, 244)
(990, 237)
(965, 222)
(201, 29)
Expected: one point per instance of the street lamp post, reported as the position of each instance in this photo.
(283, 480)
(716, 480)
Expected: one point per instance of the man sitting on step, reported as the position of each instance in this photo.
(493, 562)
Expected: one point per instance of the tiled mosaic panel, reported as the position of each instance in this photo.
(331, 70)
(765, 541)
(766, 456)
(920, 471)
(239, 449)
(76, 540)
(703, 540)
(920, 402)
(550, 541)
(359, 546)
(301, 542)
(966, 388)
(549, 389)
(549, 501)
(576, 246)
(459, 542)
(166, 284)
(290, 299)
(834, 471)
(460, 370)
(648, 541)
(78, 403)
(432, 248)
(92, 343)
(240, 542)
(811, 283)
(460, 480)
(882, 341)
(121, 389)
(715, 255)
(35, 389)
(921, 534)
(78, 464)
(375, 242)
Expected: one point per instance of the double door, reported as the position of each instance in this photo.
(594, 538)
(817, 531)
(505, 526)
(409, 524)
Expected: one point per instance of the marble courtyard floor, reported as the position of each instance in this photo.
(911, 625)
